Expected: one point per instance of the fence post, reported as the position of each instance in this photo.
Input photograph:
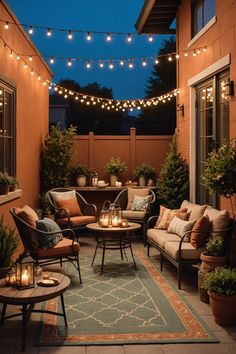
(132, 149)
(91, 149)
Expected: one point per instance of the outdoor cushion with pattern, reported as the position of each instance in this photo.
(200, 232)
(70, 204)
(48, 225)
(142, 192)
(140, 203)
(181, 227)
(166, 215)
(63, 195)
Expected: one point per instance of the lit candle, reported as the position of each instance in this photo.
(120, 222)
(105, 222)
(12, 279)
(25, 278)
(115, 222)
(45, 275)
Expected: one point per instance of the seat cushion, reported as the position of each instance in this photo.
(70, 204)
(77, 220)
(161, 237)
(48, 225)
(63, 248)
(181, 227)
(219, 220)
(133, 214)
(141, 203)
(141, 192)
(188, 251)
(27, 214)
(196, 211)
(200, 232)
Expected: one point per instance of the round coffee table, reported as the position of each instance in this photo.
(27, 298)
(114, 238)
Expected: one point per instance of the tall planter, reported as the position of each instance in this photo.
(223, 308)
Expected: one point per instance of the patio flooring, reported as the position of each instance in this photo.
(10, 335)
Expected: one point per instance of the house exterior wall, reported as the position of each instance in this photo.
(31, 109)
(220, 40)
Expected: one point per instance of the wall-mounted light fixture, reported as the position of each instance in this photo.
(229, 88)
(180, 108)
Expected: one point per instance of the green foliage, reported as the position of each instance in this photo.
(145, 170)
(56, 158)
(4, 178)
(8, 244)
(221, 281)
(215, 247)
(13, 181)
(220, 171)
(173, 183)
(79, 169)
(115, 166)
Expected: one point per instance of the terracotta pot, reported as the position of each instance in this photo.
(223, 308)
(4, 189)
(209, 263)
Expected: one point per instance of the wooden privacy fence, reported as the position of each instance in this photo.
(96, 150)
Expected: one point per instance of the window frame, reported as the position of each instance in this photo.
(194, 5)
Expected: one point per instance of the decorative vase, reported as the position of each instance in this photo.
(113, 180)
(142, 181)
(4, 189)
(223, 308)
(81, 181)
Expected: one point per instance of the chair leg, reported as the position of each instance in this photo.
(78, 267)
(161, 261)
(179, 275)
(148, 249)
(144, 234)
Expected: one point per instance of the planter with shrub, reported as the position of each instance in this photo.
(4, 183)
(144, 172)
(114, 167)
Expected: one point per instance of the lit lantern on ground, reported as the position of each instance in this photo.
(25, 275)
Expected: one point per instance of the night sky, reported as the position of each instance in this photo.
(93, 15)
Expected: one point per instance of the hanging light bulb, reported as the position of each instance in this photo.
(186, 54)
(194, 53)
(88, 65)
(32, 72)
(69, 63)
(169, 58)
(122, 63)
(108, 37)
(31, 31)
(204, 49)
(156, 61)
(39, 77)
(101, 64)
(51, 60)
(198, 51)
(150, 38)
(129, 38)
(30, 58)
(70, 35)
(49, 32)
(17, 57)
(177, 56)
(144, 62)
(25, 65)
(6, 26)
(111, 65)
(131, 65)
(89, 36)
(11, 54)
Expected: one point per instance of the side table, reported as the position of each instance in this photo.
(27, 298)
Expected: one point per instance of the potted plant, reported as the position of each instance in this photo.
(220, 172)
(8, 245)
(144, 172)
(114, 167)
(4, 183)
(79, 173)
(221, 287)
(13, 183)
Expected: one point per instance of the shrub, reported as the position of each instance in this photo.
(115, 166)
(221, 281)
(8, 244)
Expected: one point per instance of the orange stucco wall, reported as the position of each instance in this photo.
(31, 109)
(220, 41)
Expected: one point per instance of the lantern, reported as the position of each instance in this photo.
(105, 219)
(11, 277)
(25, 275)
(115, 215)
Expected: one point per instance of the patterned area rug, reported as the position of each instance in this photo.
(122, 306)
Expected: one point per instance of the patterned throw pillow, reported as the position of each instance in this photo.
(141, 192)
(181, 227)
(166, 215)
(48, 225)
(140, 203)
(200, 232)
(63, 195)
(70, 204)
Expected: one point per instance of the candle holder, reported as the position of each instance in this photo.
(25, 273)
(10, 278)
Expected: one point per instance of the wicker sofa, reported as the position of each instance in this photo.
(182, 241)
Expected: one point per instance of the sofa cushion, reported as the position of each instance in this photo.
(161, 237)
(166, 215)
(133, 214)
(27, 214)
(219, 220)
(70, 204)
(141, 192)
(200, 232)
(196, 211)
(187, 250)
(140, 203)
(48, 225)
(181, 227)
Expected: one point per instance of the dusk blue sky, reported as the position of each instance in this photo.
(93, 15)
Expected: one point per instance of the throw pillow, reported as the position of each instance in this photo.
(71, 205)
(141, 192)
(219, 220)
(200, 232)
(48, 225)
(27, 214)
(181, 227)
(63, 195)
(166, 215)
(196, 210)
(140, 203)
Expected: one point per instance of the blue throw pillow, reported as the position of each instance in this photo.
(48, 225)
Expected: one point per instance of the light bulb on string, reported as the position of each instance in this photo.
(11, 54)
(30, 58)
(49, 32)
(88, 36)
(156, 61)
(122, 63)
(101, 64)
(17, 57)
(194, 53)
(198, 51)
(108, 37)
(129, 38)
(204, 49)
(111, 65)
(52, 60)
(32, 72)
(177, 56)
(31, 31)
(6, 26)
(169, 58)
(39, 77)
(144, 62)
(25, 65)
(186, 54)
(150, 38)
(131, 64)
(69, 62)
(88, 65)
(70, 35)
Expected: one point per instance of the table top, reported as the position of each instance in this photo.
(132, 226)
(14, 296)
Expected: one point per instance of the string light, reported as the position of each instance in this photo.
(129, 38)
(111, 65)
(31, 31)
(101, 64)
(150, 38)
(144, 62)
(89, 36)
(156, 61)
(131, 65)
(108, 37)
(51, 60)
(70, 35)
(69, 63)
(170, 58)
(30, 58)
(88, 65)
(6, 26)
(186, 54)
(49, 32)
(11, 54)
(194, 53)
(122, 63)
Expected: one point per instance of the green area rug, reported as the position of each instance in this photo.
(122, 306)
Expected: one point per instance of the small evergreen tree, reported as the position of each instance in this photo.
(173, 183)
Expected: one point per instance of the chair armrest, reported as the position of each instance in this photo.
(89, 209)
(151, 221)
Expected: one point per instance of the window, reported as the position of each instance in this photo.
(202, 13)
(7, 128)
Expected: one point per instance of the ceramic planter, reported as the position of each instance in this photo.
(223, 308)
(113, 180)
(81, 181)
